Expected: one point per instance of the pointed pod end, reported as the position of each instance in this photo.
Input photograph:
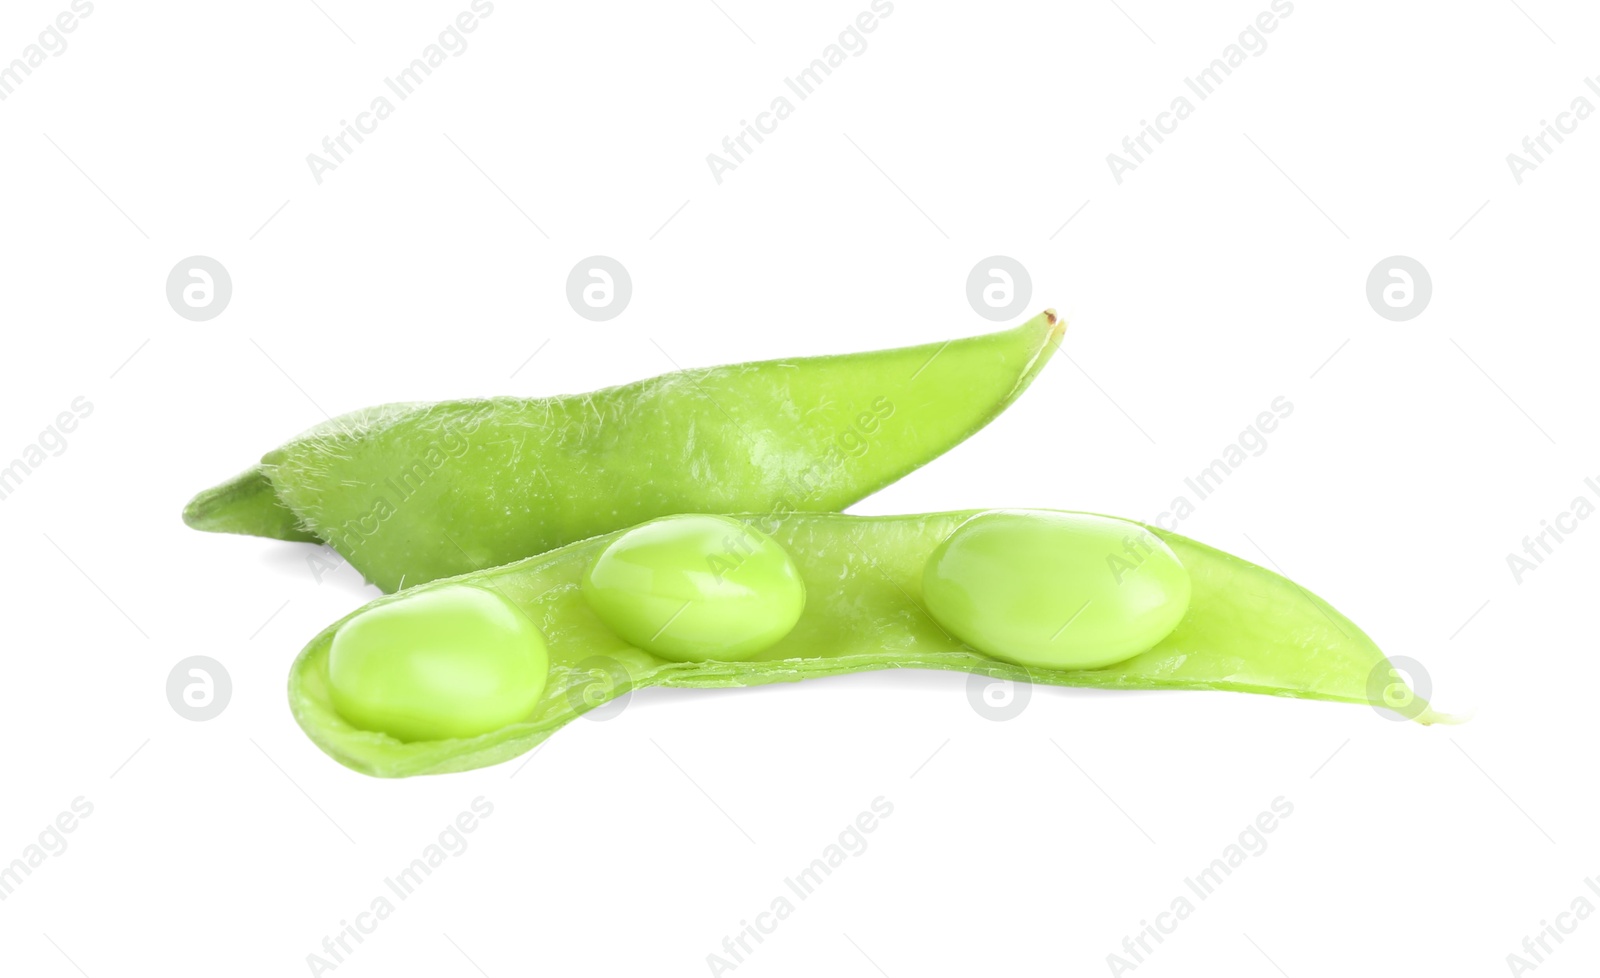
(1058, 326)
(1429, 716)
(245, 504)
(197, 513)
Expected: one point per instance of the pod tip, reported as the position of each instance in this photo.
(1429, 716)
(1058, 326)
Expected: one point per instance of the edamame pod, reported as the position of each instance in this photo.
(1242, 628)
(409, 493)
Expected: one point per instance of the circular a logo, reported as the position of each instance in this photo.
(199, 688)
(1399, 288)
(1398, 688)
(999, 288)
(598, 288)
(994, 698)
(199, 288)
(602, 690)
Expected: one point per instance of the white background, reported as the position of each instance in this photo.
(1224, 272)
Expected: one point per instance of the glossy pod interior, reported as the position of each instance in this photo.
(1246, 629)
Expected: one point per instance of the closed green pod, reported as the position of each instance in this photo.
(413, 492)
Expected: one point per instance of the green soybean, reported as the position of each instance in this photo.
(1055, 590)
(1245, 629)
(409, 493)
(692, 587)
(457, 661)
